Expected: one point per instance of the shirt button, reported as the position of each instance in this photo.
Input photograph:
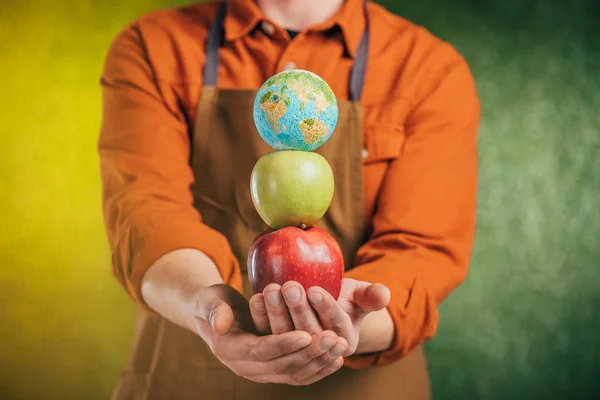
(289, 65)
(268, 28)
(365, 153)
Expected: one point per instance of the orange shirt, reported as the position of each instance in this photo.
(421, 120)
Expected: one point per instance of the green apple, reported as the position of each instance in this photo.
(291, 188)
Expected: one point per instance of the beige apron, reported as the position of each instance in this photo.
(169, 362)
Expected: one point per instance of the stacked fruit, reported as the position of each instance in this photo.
(295, 112)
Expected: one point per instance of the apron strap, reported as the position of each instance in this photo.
(215, 40)
(359, 68)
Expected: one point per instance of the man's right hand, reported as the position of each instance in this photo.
(224, 321)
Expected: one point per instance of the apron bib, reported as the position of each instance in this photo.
(169, 362)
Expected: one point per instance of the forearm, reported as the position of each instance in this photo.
(376, 333)
(171, 284)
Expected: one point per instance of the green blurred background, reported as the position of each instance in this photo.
(525, 325)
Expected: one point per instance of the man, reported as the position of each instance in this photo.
(177, 147)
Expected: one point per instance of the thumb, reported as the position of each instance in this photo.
(216, 313)
(373, 297)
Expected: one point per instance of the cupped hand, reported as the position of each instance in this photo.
(316, 310)
(223, 320)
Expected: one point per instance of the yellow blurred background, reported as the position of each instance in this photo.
(523, 326)
(66, 324)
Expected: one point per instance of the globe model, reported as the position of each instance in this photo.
(295, 110)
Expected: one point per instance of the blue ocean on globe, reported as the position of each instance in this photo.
(295, 110)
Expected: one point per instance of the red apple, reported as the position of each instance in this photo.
(308, 256)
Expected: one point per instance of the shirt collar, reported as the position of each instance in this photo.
(241, 18)
(244, 15)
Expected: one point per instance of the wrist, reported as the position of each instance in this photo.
(172, 285)
(376, 333)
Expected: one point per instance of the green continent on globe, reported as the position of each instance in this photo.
(275, 107)
(313, 129)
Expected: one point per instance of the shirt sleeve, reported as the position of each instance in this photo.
(144, 151)
(424, 225)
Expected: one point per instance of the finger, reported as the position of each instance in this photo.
(371, 298)
(321, 343)
(277, 311)
(271, 347)
(259, 313)
(323, 372)
(216, 313)
(331, 314)
(315, 366)
(302, 313)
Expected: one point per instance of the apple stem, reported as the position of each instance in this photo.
(303, 227)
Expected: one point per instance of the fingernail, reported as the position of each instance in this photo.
(301, 343)
(327, 342)
(274, 298)
(336, 351)
(211, 319)
(315, 298)
(292, 294)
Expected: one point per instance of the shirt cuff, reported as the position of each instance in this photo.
(414, 313)
(146, 241)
